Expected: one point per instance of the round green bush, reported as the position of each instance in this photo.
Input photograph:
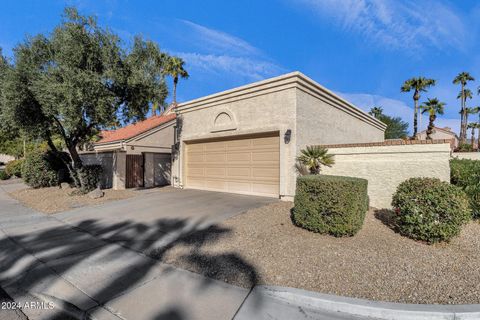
(14, 168)
(333, 205)
(430, 210)
(41, 169)
(4, 175)
(90, 175)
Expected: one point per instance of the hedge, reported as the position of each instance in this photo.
(14, 168)
(430, 210)
(4, 175)
(465, 173)
(332, 205)
(43, 168)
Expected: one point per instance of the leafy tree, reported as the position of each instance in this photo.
(313, 158)
(396, 127)
(432, 107)
(463, 78)
(175, 68)
(418, 84)
(78, 80)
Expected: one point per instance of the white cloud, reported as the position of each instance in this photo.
(224, 65)
(406, 24)
(397, 108)
(220, 41)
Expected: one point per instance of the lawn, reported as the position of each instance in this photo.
(376, 264)
(52, 200)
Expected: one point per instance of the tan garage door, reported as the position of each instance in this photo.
(247, 165)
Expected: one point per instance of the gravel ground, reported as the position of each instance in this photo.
(53, 199)
(262, 246)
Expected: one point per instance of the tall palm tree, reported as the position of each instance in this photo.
(418, 84)
(433, 107)
(469, 111)
(463, 78)
(473, 126)
(313, 158)
(175, 68)
(376, 111)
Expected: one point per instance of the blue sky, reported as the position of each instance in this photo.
(361, 49)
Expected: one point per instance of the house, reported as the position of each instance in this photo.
(137, 155)
(440, 133)
(245, 140)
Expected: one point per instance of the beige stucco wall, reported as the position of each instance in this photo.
(6, 158)
(387, 166)
(272, 111)
(322, 122)
(439, 134)
(467, 155)
(119, 170)
(159, 140)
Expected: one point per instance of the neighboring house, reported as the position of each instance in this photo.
(137, 155)
(245, 140)
(440, 133)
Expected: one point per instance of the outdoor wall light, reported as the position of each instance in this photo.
(288, 135)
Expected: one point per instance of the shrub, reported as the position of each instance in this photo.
(330, 204)
(14, 168)
(4, 175)
(465, 173)
(464, 147)
(90, 175)
(41, 168)
(429, 209)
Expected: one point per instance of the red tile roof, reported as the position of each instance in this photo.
(135, 129)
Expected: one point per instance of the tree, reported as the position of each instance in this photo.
(462, 79)
(175, 68)
(313, 158)
(376, 112)
(78, 80)
(418, 84)
(433, 107)
(473, 126)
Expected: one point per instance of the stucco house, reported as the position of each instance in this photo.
(440, 133)
(245, 140)
(137, 155)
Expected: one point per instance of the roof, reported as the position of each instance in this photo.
(135, 129)
(294, 79)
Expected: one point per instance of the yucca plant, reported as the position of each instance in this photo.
(312, 159)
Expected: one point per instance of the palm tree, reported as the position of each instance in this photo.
(376, 111)
(462, 79)
(418, 85)
(313, 158)
(473, 126)
(433, 107)
(175, 68)
(470, 111)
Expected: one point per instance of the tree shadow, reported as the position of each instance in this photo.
(110, 259)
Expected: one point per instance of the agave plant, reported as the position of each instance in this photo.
(312, 158)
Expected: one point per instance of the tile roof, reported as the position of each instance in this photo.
(135, 129)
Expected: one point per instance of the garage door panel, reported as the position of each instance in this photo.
(247, 166)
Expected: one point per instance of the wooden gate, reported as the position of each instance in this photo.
(134, 171)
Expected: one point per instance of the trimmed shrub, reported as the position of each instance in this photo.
(4, 175)
(14, 168)
(41, 169)
(330, 204)
(90, 176)
(430, 210)
(464, 147)
(465, 173)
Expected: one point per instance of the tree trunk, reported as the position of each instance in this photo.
(478, 139)
(175, 82)
(415, 115)
(473, 137)
(463, 125)
(430, 126)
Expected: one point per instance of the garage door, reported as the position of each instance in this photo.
(247, 165)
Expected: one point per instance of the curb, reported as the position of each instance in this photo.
(291, 297)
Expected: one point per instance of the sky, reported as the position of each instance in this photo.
(361, 49)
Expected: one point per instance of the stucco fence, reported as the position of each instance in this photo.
(4, 158)
(106, 160)
(467, 155)
(386, 164)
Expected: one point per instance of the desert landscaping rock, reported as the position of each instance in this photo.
(65, 185)
(53, 200)
(376, 264)
(96, 194)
